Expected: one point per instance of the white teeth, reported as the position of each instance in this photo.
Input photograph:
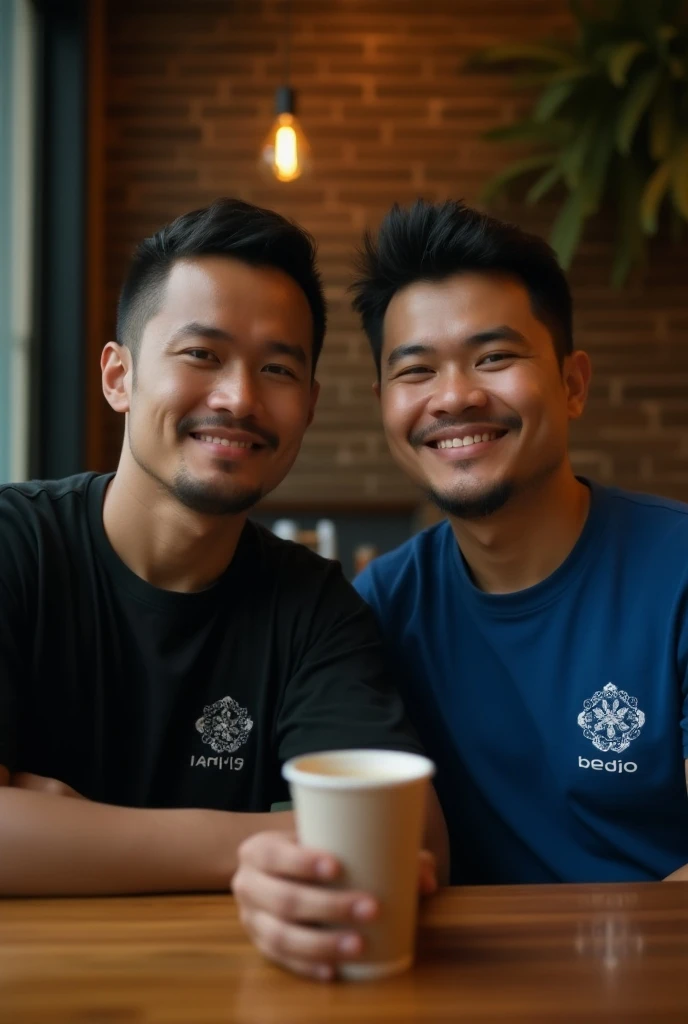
(224, 441)
(458, 442)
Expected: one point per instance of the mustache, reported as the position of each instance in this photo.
(193, 425)
(418, 437)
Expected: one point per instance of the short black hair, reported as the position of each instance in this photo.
(433, 241)
(228, 227)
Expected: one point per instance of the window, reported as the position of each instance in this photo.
(18, 39)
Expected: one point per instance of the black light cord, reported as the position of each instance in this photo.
(287, 45)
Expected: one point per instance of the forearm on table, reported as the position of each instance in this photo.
(680, 875)
(54, 846)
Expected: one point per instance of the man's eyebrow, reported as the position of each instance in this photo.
(413, 348)
(195, 329)
(417, 348)
(283, 348)
(501, 333)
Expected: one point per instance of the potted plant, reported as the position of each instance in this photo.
(609, 122)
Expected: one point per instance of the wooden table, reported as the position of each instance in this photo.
(612, 953)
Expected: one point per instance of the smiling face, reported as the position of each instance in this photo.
(220, 393)
(474, 402)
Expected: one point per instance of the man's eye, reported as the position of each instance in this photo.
(414, 371)
(495, 357)
(202, 354)
(281, 371)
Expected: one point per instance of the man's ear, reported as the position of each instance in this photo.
(577, 374)
(315, 392)
(116, 368)
(376, 389)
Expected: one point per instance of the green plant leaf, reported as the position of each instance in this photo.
(666, 33)
(624, 259)
(593, 172)
(573, 155)
(677, 225)
(542, 186)
(637, 102)
(662, 121)
(652, 197)
(499, 181)
(630, 241)
(530, 131)
(567, 229)
(549, 76)
(528, 52)
(676, 68)
(642, 16)
(551, 100)
(531, 79)
(679, 179)
(603, 33)
(609, 118)
(621, 58)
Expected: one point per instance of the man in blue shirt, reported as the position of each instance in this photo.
(539, 634)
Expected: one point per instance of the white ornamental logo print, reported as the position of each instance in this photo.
(611, 719)
(225, 725)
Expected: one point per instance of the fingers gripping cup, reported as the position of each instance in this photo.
(367, 808)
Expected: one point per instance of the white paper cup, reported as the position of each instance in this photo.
(367, 808)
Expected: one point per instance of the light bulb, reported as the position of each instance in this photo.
(285, 154)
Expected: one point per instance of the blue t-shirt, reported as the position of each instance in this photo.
(558, 715)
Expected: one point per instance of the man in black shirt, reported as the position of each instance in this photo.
(160, 655)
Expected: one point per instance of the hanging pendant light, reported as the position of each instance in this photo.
(285, 154)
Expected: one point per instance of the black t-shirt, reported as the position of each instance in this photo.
(143, 697)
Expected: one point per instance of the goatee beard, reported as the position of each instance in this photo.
(200, 497)
(208, 501)
(478, 506)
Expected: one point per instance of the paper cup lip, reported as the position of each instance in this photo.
(410, 767)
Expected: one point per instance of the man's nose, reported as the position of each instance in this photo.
(456, 391)
(236, 393)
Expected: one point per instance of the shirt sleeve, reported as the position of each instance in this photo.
(682, 660)
(339, 694)
(9, 679)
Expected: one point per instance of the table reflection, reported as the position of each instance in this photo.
(612, 939)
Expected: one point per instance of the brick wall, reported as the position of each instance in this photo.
(391, 113)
